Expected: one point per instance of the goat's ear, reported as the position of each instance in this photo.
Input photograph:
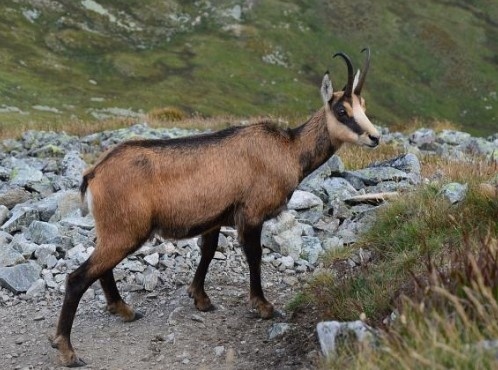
(356, 79)
(326, 89)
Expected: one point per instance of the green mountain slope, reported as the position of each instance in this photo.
(91, 59)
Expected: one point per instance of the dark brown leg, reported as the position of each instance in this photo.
(209, 243)
(115, 303)
(251, 241)
(76, 284)
(99, 264)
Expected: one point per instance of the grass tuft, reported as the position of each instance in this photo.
(166, 114)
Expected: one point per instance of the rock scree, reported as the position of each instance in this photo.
(44, 236)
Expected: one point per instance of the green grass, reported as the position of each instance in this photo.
(434, 263)
(404, 236)
(445, 320)
(430, 60)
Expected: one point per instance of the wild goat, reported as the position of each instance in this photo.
(181, 188)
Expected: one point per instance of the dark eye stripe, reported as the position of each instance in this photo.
(350, 122)
(353, 125)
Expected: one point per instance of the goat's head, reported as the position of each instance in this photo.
(345, 110)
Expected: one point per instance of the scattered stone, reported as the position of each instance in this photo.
(41, 232)
(454, 192)
(219, 350)
(283, 235)
(151, 279)
(44, 252)
(19, 278)
(68, 205)
(36, 289)
(488, 345)
(328, 332)
(10, 257)
(223, 243)
(23, 246)
(21, 217)
(289, 242)
(423, 136)
(452, 137)
(373, 176)
(332, 243)
(287, 262)
(303, 200)
(278, 330)
(311, 249)
(408, 163)
(219, 256)
(290, 280)
(75, 251)
(314, 181)
(13, 195)
(152, 259)
(72, 166)
(4, 213)
(23, 174)
(338, 188)
(347, 236)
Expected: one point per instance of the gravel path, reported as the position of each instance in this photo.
(171, 335)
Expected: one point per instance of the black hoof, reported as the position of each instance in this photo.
(138, 316)
(51, 339)
(278, 314)
(211, 308)
(204, 308)
(77, 363)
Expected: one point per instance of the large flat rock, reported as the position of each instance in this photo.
(19, 278)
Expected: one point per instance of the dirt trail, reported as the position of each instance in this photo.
(171, 335)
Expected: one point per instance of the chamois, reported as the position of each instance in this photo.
(180, 188)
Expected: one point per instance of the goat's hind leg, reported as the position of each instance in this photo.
(96, 266)
(115, 304)
(76, 284)
(209, 243)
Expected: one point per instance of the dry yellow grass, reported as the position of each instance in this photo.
(477, 169)
(81, 127)
(417, 123)
(72, 127)
(358, 157)
(166, 114)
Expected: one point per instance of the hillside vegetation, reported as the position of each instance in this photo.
(430, 291)
(89, 60)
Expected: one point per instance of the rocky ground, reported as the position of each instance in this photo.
(44, 236)
(172, 333)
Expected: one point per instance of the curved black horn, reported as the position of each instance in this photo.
(363, 73)
(349, 87)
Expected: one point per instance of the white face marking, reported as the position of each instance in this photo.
(367, 126)
(338, 132)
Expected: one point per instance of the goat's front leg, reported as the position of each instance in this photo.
(209, 243)
(251, 240)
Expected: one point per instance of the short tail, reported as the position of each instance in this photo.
(83, 188)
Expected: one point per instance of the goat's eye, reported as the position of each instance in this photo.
(341, 112)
